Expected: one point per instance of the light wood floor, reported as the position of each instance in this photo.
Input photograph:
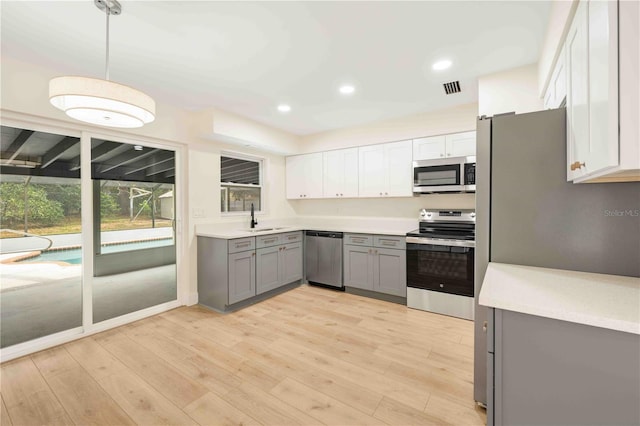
(309, 356)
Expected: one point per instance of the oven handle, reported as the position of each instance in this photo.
(436, 242)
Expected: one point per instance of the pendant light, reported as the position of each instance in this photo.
(102, 102)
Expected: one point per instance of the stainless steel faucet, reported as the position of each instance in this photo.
(254, 222)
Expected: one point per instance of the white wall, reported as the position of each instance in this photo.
(560, 17)
(513, 90)
(222, 126)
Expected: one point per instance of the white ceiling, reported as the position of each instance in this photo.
(247, 57)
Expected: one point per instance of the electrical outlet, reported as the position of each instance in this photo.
(198, 212)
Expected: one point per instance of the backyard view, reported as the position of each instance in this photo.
(53, 209)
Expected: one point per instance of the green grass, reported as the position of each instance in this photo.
(72, 225)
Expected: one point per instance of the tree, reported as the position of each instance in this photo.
(41, 210)
(108, 204)
(67, 195)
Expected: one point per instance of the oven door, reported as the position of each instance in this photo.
(443, 268)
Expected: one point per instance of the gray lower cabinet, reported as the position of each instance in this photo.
(358, 267)
(291, 262)
(268, 269)
(242, 276)
(390, 271)
(369, 265)
(237, 270)
(277, 266)
(544, 371)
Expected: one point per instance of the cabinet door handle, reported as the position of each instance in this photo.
(337, 195)
(253, 254)
(441, 155)
(386, 193)
(484, 326)
(577, 165)
(341, 195)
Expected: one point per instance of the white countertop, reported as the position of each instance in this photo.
(358, 226)
(599, 300)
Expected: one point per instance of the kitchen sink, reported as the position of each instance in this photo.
(256, 230)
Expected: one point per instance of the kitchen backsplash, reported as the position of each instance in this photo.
(400, 207)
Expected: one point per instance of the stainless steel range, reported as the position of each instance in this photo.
(440, 263)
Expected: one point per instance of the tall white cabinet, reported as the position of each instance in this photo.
(385, 170)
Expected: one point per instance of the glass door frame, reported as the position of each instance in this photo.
(43, 124)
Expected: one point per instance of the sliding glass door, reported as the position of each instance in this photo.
(63, 267)
(134, 246)
(40, 239)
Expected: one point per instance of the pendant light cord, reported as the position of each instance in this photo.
(106, 71)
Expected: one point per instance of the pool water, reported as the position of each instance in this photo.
(74, 256)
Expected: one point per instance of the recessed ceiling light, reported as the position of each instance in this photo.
(137, 147)
(441, 65)
(284, 108)
(347, 89)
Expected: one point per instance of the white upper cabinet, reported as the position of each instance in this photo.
(461, 144)
(385, 170)
(340, 173)
(578, 90)
(603, 85)
(602, 92)
(454, 145)
(372, 171)
(304, 176)
(399, 169)
(429, 148)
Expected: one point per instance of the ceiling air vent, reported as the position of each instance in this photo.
(452, 87)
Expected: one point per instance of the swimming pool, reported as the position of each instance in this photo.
(74, 256)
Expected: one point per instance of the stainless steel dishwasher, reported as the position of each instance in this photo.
(323, 258)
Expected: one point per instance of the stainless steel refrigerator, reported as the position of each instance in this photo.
(528, 214)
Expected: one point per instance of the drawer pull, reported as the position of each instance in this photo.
(242, 245)
(270, 241)
(388, 243)
(292, 237)
(358, 240)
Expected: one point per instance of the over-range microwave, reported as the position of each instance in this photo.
(453, 174)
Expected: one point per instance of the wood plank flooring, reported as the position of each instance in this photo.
(310, 356)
